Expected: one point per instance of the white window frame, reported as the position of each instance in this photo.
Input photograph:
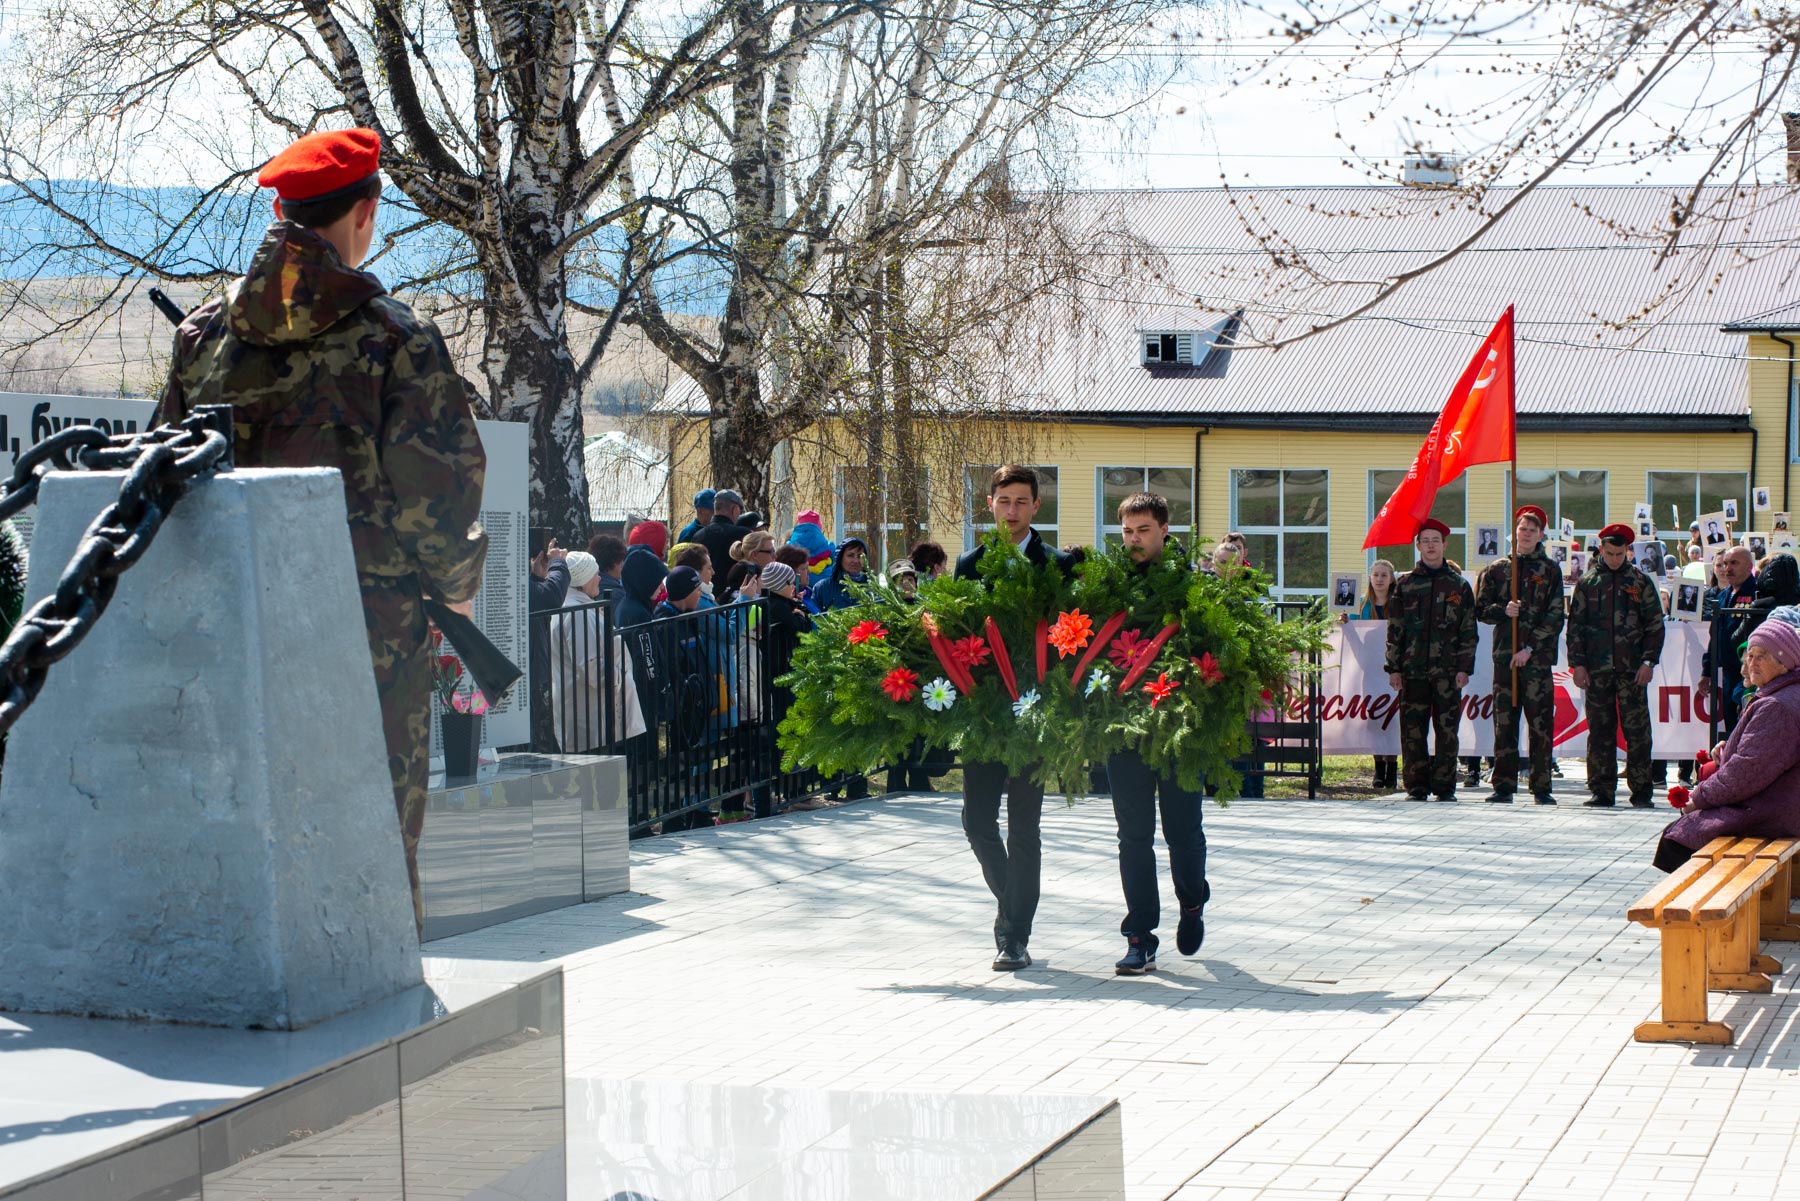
(1553, 534)
(1276, 571)
(1375, 503)
(1106, 522)
(840, 490)
(975, 502)
(1680, 536)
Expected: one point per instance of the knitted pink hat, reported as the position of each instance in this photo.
(809, 516)
(1779, 639)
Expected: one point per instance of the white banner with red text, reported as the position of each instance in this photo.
(1360, 715)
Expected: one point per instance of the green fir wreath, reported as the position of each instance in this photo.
(1047, 674)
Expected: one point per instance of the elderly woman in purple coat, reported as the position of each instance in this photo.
(1756, 790)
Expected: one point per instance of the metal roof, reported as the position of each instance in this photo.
(1608, 328)
(1775, 321)
(626, 478)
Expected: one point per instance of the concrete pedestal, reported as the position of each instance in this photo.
(196, 819)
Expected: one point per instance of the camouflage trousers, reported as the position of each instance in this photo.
(1614, 700)
(401, 651)
(1537, 697)
(1433, 703)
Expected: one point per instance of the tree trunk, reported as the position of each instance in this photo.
(907, 495)
(531, 377)
(740, 441)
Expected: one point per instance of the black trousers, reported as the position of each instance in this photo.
(1135, 802)
(1013, 867)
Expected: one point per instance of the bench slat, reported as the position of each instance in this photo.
(1649, 908)
(1741, 890)
(1696, 895)
(1779, 849)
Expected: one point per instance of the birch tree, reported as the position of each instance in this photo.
(847, 169)
(519, 134)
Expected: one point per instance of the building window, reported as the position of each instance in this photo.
(978, 521)
(1450, 507)
(1285, 517)
(874, 516)
(1579, 496)
(1173, 484)
(1677, 497)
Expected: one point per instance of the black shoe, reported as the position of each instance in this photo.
(1137, 961)
(1598, 802)
(1642, 802)
(1544, 798)
(1472, 778)
(1191, 932)
(1556, 769)
(1445, 796)
(1012, 957)
(1498, 797)
(1418, 796)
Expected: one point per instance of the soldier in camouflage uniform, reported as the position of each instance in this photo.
(1615, 640)
(327, 370)
(1539, 610)
(1430, 655)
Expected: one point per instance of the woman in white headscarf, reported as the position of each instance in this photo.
(578, 636)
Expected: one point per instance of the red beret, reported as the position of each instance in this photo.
(1432, 523)
(1619, 534)
(1536, 514)
(322, 163)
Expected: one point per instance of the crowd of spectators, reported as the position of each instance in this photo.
(643, 647)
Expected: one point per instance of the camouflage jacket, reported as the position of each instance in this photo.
(1540, 606)
(1431, 623)
(327, 370)
(1615, 619)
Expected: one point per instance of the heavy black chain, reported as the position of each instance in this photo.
(159, 464)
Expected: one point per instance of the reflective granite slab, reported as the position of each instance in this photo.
(525, 834)
(452, 1090)
(685, 1141)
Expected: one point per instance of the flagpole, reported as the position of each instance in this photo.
(1512, 399)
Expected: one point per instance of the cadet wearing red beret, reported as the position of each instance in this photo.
(1432, 523)
(1430, 655)
(1615, 642)
(1526, 634)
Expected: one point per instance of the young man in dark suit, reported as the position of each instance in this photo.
(1012, 867)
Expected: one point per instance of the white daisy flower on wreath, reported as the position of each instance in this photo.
(1098, 682)
(939, 695)
(1024, 704)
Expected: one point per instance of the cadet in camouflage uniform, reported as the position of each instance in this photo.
(327, 370)
(1615, 640)
(1430, 655)
(1540, 613)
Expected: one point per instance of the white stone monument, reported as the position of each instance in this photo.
(196, 818)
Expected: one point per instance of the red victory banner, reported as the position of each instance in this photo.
(1476, 426)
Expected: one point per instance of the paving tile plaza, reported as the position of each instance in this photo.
(1394, 1000)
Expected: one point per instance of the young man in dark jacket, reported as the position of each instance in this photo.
(718, 534)
(545, 590)
(1430, 657)
(1615, 640)
(1012, 868)
(1539, 612)
(1144, 525)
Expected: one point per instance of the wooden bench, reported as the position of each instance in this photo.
(1712, 912)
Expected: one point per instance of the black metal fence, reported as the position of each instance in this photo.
(689, 700)
(1288, 738)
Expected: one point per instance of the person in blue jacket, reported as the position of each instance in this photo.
(849, 567)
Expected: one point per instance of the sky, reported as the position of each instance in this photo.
(1224, 122)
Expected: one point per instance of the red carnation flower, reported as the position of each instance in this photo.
(901, 685)
(862, 631)
(1209, 669)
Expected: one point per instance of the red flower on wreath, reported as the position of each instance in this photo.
(901, 685)
(1072, 632)
(972, 651)
(1209, 669)
(1126, 649)
(1160, 688)
(862, 631)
